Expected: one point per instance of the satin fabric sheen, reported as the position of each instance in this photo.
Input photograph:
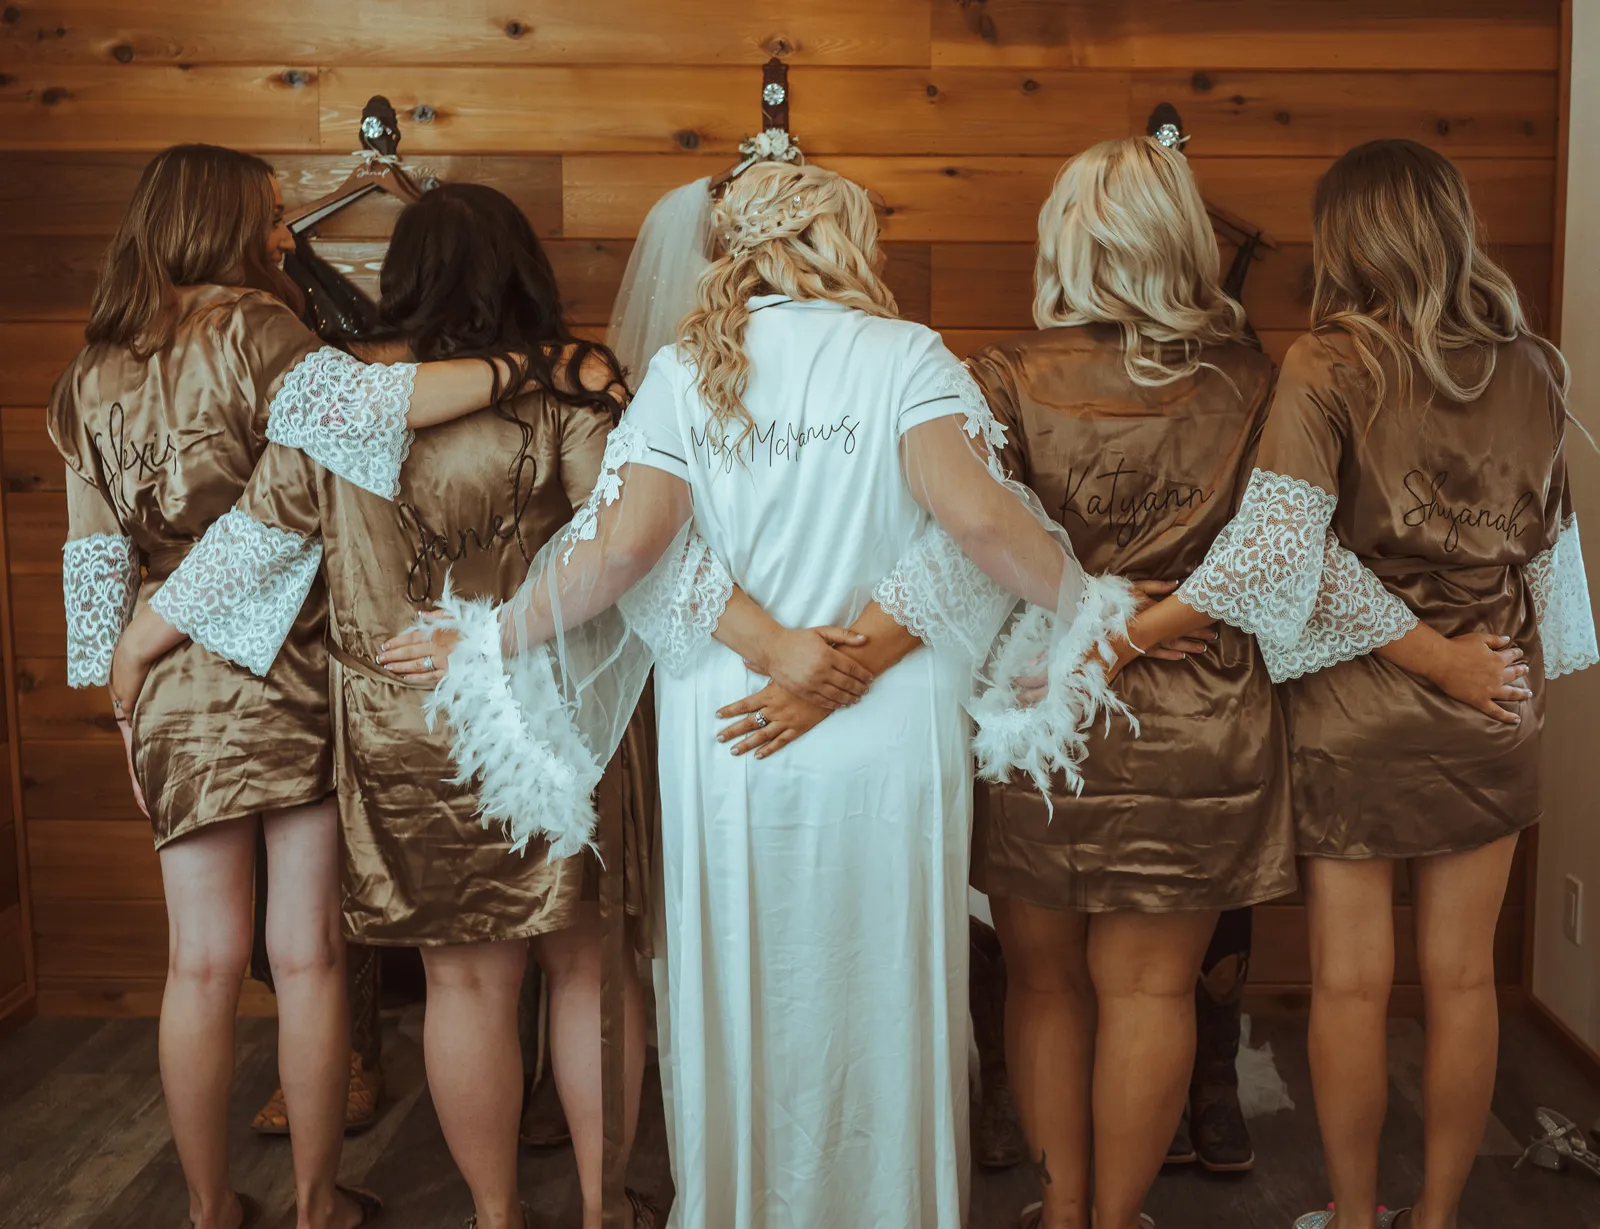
(1193, 812)
(478, 498)
(167, 444)
(1445, 502)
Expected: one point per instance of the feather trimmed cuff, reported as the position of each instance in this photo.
(511, 736)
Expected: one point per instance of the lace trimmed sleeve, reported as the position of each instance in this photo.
(100, 582)
(240, 589)
(1560, 588)
(348, 416)
(1278, 572)
(676, 608)
(943, 598)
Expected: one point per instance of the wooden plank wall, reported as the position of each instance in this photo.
(958, 111)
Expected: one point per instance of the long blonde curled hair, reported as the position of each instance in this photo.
(1124, 239)
(800, 231)
(1400, 268)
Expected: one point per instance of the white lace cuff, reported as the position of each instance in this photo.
(348, 416)
(100, 582)
(676, 608)
(1561, 596)
(240, 589)
(944, 599)
(1354, 615)
(1263, 574)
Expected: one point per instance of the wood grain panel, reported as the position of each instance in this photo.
(89, 859)
(32, 355)
(468, 32)
(10, 883)
(1298, 114)
(53, 193)
(77, 779)
(36, 526)
(660, 109)
(48, 709)
(49, 277)
(1281, 955)
(1477, 35)
(130, 997)
(990, 285)
(39, 621)
(49, 107)
(14, 940)
(113, 938)
(997, 199)
(28, 460)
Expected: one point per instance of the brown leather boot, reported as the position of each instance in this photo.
(1221, 1138)
(999, 1142)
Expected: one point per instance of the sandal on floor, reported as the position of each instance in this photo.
(1391, 1220)
(360, 1107)
(1324, 1218)
(527, 1219)
(645, 1213)
(1031, 1216)
(249, 1211)
(369, 1205)
(1560, 1144)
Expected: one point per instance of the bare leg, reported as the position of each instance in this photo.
(469, 1039)
(571, 960)
(1049, 1022)
(1143, 966)
(1352, 969)
(307, 952)
(1458, 899)
(207, 878)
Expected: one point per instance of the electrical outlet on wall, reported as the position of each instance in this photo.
(1572, 910)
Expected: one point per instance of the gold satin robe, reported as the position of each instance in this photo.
(1450, 505)
(156, 450)
(1193, 812)
(478, 498)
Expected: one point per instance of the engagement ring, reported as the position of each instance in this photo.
(761, 721)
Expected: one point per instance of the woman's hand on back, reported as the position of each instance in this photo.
(805, 663)
(769, 721)
(1485, 671)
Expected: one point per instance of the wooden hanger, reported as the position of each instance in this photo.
(774, 119)
(380, 170)
(1166, 126)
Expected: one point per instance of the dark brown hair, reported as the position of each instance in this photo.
(466, 277)
(201, 214)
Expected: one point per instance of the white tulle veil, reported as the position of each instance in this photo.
(658, 288)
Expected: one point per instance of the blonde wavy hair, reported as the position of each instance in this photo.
(799, 231)
(1401, 270)
(1124, 239)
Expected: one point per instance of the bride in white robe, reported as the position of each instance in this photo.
(811, 995)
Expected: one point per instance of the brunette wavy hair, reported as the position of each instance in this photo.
(1402, 271)
(201, 214)
(466, 277)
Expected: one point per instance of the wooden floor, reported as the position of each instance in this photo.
(84, 1141)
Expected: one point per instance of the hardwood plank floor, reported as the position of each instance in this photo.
(84, 1141)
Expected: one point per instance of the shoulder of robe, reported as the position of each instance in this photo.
(62, 421)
